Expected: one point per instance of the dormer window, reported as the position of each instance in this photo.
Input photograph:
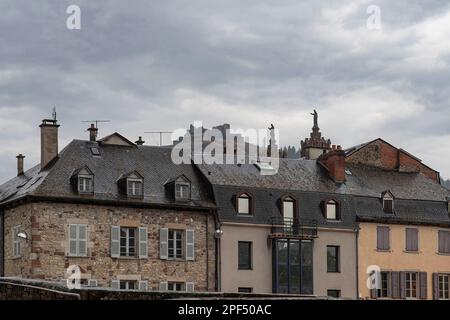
(332, 210)
(132, 185)
(182, 191)
(288, 208)
(388, 202)
(244, 204)
(83, 181)
(179, 188)
(85, 184)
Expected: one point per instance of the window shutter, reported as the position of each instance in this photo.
(163, 286)
(190, 245)
(73, 239)
(383, 238)
(163, 243)
(389, 287)
(115, 241)
(395, 285)
(189, 287)
(82, 240)
(143, 243)
(379, 238)
(402, 285)
(412, 239)
(373, 293)
(422, 285)
(115, 284)
(386, 244)
(143, 286)
(92, 283)
(436, 286)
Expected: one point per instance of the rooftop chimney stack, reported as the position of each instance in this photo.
(140, 142)
(334, 162)
(93, 131)
(49, 141)
(20, 158)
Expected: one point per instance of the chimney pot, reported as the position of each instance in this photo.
(20, 170)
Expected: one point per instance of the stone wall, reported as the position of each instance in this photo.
(45, 256)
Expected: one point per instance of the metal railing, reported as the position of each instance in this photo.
(300, 228)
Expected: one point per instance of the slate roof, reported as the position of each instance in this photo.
(153, 163)
(418, 198)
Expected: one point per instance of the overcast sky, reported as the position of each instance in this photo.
(160, 65)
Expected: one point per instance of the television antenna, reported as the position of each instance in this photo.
(96, 121)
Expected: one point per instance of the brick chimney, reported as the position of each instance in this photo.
(334, 163)
(49, 141)
(93, 131)
(139, 141)
(20, 158)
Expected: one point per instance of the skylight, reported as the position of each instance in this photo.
(95, 151)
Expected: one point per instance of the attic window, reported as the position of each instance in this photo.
(95, 151)
(182, 191)
(134, 187)
(244, 204)
(388, 203)
(332, 210)
(85, 183)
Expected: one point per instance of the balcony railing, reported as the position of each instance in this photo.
(293, 228)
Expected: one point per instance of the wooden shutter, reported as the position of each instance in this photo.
(115, 241)
(163, 243)
(386, 242)
(115, 284)
(402, 285)
(436, 286)
(92, 283)
(82, 240)
(189, 287)
(422, 285)
(395, 284)
(383, 238)
(412, 241)
(163, 286)
(73, 233)
(143, 243)
(190, 245)
(143, 285)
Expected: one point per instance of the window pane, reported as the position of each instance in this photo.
(244, 205)
(244, 255)
(332, 259)
(331, 211)
(288, 210)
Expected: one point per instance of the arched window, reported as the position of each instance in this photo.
(244, 204)
(332, 210)
(388, 202)
(288, 208)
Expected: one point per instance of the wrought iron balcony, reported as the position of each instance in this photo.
(293, 228)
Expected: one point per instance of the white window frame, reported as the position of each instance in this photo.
(134, 182)
(442, 293)
(16, 245)
(127, 243)
(174, 284)
(244, 197)
(82, 185)
(172, 244)
(179, 193)
(77, 240)
(331, 204)
(409, 285)
(127, 284)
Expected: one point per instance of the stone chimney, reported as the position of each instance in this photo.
(20, 158)
(334, 163)
(139, 141)
(49, 141)
(93, 131)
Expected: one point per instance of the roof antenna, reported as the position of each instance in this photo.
(54, 113)
(96, 122)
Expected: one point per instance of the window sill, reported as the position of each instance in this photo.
(384, 250)
(177, 259)
(250, 269)
(81, 257)
(244, 215)
(443, 253)
(413, 252)
(334, 272)
(16, 257)
(128, 258)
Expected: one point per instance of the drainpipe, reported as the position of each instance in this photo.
(357, 263)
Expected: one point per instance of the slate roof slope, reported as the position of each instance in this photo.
(307, 175)
(418, 199)
(153, 163)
